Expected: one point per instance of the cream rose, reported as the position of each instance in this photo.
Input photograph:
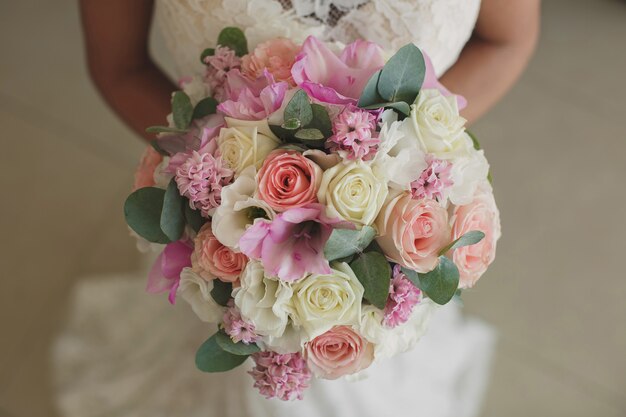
(412, 232)
(244, 143)
(238, 209)
(323, 301)
(264, 301)
(436, 122)
(354, 192)
(197, 292)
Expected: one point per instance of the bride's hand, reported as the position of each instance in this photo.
(116, 38)
(503, 41)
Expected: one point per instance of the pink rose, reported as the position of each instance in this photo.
(412, 232)
(481, 214)
(288, 180)
(144, 176)
(211, 259)
(338, 352)
(276, 56)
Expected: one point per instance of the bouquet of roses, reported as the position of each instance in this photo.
(317, 202)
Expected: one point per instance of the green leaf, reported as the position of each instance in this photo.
(399, 106)
(309, 135)
(221, 292)
(321, 120)
(210, 357)
(182, 110)
(403, 75)
(205, 107)
(282, 133)
(164, 129)
(235, 39)
(470, 238)
(370, 95)
(193, 217)
(299, 108)
(374, 272)
(345, 242)
(474, 140)
(172, 215)
(412, 276)
(241, 349)
(441, 283)
(142, 211)
(292, 124)
(207, 52)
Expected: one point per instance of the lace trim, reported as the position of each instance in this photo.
(324, 11)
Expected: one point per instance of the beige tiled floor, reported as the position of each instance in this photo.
(557, 144)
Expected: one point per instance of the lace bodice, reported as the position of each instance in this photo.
(440, 27)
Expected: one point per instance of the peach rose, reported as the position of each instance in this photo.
(144, 175)
(276, 55)
(288, 180)
(338, 352)
(211, 259)
(481, 214)
(412, 232)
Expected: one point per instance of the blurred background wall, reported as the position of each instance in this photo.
(557, 145)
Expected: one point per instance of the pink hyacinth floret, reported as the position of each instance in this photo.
(218, 65)
(237, 328)
(403, 296)
(434, 180)
(354, 132)
(282, 376)
(201, 178)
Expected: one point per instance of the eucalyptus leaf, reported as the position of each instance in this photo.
(321, 120)
(142, 211)
(205, 107)
(172, 215)
(345, 242)
(210, 357)
(292, 124)
(207, 52)
(241, 349)
(441, 283)
(193, 217)
(475, 141)
(221, 292)
(374, 273)
(403, 75)
(299, 107)
(470, 238)
(182, 110)
(412, 276)
(282, 133)
(309, 134)
(164, 129)
(400, 106)
(235, 39)
(370, 95)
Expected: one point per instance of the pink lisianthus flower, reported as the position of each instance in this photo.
(165, 273)
(282, 376)
(403, 296)
(248, 103)
(336, 79)
(144, 176)
(201, 178)
(275, 56)
(354, 134)
(291, 245)
(236, 327)
(218, 66)
(433, 181)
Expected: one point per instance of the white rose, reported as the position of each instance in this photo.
(238, 209)
(436, 122)
(400, 155)
(197, 292)
(466, 174)
(246, 143)
(196, 89)
(264, 301)
(354, 192)
(324, 301)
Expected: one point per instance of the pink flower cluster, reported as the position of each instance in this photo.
(218, 66)
(434, 180)
(236, 327)
(201, 178)
(354, 131)
(283, 376)
(403, 296)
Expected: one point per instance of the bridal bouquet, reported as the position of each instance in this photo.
(317, 202)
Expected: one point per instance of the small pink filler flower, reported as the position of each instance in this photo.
(403, 296)
(283, 376)
(354, 132)
(201, 178)
(236, 327)
(218, 66)
(434, 180)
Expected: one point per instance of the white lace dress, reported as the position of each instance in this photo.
(126, 353)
